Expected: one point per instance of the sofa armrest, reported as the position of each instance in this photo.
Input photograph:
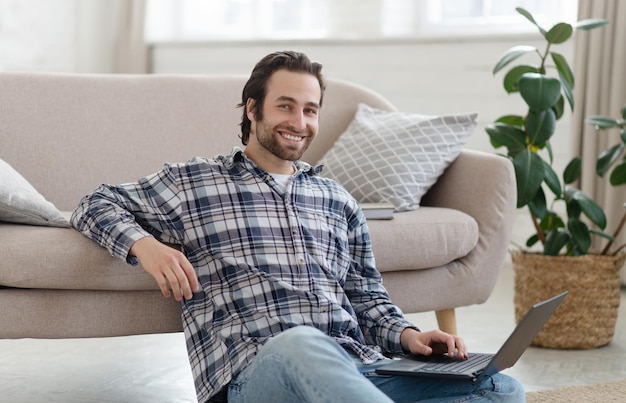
(483, 186)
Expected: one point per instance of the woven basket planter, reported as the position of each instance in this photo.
(586, 318)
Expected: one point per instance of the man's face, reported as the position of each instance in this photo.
(290, 116)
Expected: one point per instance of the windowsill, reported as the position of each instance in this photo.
(343, 41)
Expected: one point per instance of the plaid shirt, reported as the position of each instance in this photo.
(266, 259)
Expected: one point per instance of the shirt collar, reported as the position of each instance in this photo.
(237, 156)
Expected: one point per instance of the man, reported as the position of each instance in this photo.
(280, 296)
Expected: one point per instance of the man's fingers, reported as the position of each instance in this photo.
(452, 347)
(172, 267)
(163, 285)
(461, 348)
(439, 348)
(169, 267)
(182, 280)
(437, 342)
(191, 277)
(173, 282)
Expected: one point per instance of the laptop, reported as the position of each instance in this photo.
(478, 365)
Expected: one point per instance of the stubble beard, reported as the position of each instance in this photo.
(267, 138)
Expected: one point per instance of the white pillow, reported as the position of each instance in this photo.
(395, 157)
(21, 203)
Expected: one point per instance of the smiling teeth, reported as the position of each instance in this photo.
(291, 137)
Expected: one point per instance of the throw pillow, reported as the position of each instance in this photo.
(394, 156)
(21, 203)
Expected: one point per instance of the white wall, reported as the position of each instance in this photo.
(68, 36)
(28, 41)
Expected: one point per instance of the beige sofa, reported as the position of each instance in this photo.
(68, 133)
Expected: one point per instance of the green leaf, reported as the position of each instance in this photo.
(579, 232)
(573, 208)
(513, 120)
(618, 176)
(602, 234)
(551, 222)
(550, 152)
(530, 242)
(589, 207)
(538, 205)
(503, 135)
(607, 158)
(552, 180)
(540, 126)
(563, 68)
(601, 122)
(559, 33)
(573, 170)
(567, 90)
(555, 241)
(591, 23)
(539, 91)
(559, 108)
(512, 77)
(530, 18)
(624, 112)
(511, 55)
(529, 174)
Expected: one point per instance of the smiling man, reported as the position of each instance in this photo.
(281, 300)
(285, 121)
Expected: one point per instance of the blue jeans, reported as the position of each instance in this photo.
(304, 365)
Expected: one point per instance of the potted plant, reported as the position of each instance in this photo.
(608, 159)
(564, 218)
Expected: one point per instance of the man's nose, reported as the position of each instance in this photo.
(298, 120)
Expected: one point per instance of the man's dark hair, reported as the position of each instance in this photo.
(256, 89)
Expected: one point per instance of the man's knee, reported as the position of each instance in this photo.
(509, 388)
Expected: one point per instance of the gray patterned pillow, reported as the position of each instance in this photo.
(21, 203)
(395, 157)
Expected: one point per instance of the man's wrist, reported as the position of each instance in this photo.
(407, 335)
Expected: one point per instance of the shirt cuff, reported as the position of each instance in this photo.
(395, 329)
(125, 241)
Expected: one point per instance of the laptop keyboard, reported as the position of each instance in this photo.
(460, 366)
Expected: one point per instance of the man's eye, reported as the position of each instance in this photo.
(311, 111)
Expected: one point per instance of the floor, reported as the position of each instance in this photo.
(154, 368)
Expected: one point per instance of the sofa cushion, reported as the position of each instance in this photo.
(20, 202)
(63, 258)
(395, 157)
(425, 238)
(422, 239)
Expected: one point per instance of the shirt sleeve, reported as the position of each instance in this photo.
(381, 321)
(117, 216)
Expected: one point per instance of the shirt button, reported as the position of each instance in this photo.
(300, 261)
(294, 231)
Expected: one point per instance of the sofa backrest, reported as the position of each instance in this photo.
(68, 133)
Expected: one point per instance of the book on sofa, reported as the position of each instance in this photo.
(377, 211)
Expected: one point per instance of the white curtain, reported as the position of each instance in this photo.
(600, 89)
(131, 51)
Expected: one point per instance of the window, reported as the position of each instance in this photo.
(493, 16)
(191, 20)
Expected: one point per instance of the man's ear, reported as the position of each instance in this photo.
(250, 109)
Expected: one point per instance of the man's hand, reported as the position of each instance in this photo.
(433, 342)
(169, 267)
